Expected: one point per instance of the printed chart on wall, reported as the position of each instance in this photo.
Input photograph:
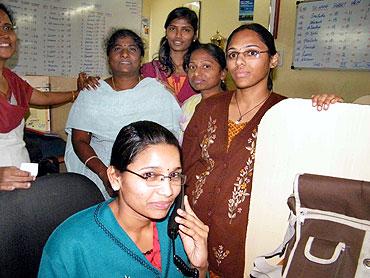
(333, 34)
(62, 38)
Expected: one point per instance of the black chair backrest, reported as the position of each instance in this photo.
(28, 217)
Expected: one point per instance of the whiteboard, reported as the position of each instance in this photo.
(64, 37)
(332, 34)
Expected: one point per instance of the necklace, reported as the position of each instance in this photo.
(250, 110)
(114, 85)
(148, 252)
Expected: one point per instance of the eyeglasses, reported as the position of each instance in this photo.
(7, 28)
(248, 54)
(155, 179)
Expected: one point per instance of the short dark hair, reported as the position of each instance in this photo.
(216, 52)
(8, 12)
(266, 37)
(136, 137)
(164, 49)
(123, 33)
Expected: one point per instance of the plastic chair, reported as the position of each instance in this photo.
(28, 217)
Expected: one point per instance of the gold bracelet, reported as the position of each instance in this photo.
(73, 96)
(91, 157)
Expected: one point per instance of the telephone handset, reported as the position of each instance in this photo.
(173, 226)
(172, 231)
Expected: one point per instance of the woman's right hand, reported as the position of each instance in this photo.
(194, 235)
(13, 178)
(87, 82)
(323, 101)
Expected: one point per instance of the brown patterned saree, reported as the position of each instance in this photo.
(220, 179)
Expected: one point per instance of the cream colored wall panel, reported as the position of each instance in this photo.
(295, 138)
(59, 114)
(38, 118)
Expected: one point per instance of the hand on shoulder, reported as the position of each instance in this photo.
(87, 82)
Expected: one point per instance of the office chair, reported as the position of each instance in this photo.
(28, 217)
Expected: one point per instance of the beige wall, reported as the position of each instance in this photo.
(215, 15)
(349, 84)
(59, 113)
(146, 8)
(222, 15)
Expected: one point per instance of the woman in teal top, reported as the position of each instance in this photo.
(127, 236)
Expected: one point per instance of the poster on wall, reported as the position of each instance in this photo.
(246, 10)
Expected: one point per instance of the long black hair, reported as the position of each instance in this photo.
(265, 36)
(164, 49)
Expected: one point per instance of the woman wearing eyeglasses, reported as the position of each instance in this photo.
(219, 146)
(15, 97)
(127, 236)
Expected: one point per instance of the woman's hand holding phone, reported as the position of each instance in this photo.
(194, 235)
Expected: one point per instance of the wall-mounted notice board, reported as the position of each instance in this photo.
(332, 34)
(64, 37)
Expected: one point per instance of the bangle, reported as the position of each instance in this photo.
(91, 157)
(73, 96)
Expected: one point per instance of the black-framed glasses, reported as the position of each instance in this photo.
(155, 179)
(247, 54)
(7, 28)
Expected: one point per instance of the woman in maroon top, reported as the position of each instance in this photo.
(15, 97)
(219, 146)
(181, 38)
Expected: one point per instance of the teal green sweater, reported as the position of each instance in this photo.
(92, 244)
